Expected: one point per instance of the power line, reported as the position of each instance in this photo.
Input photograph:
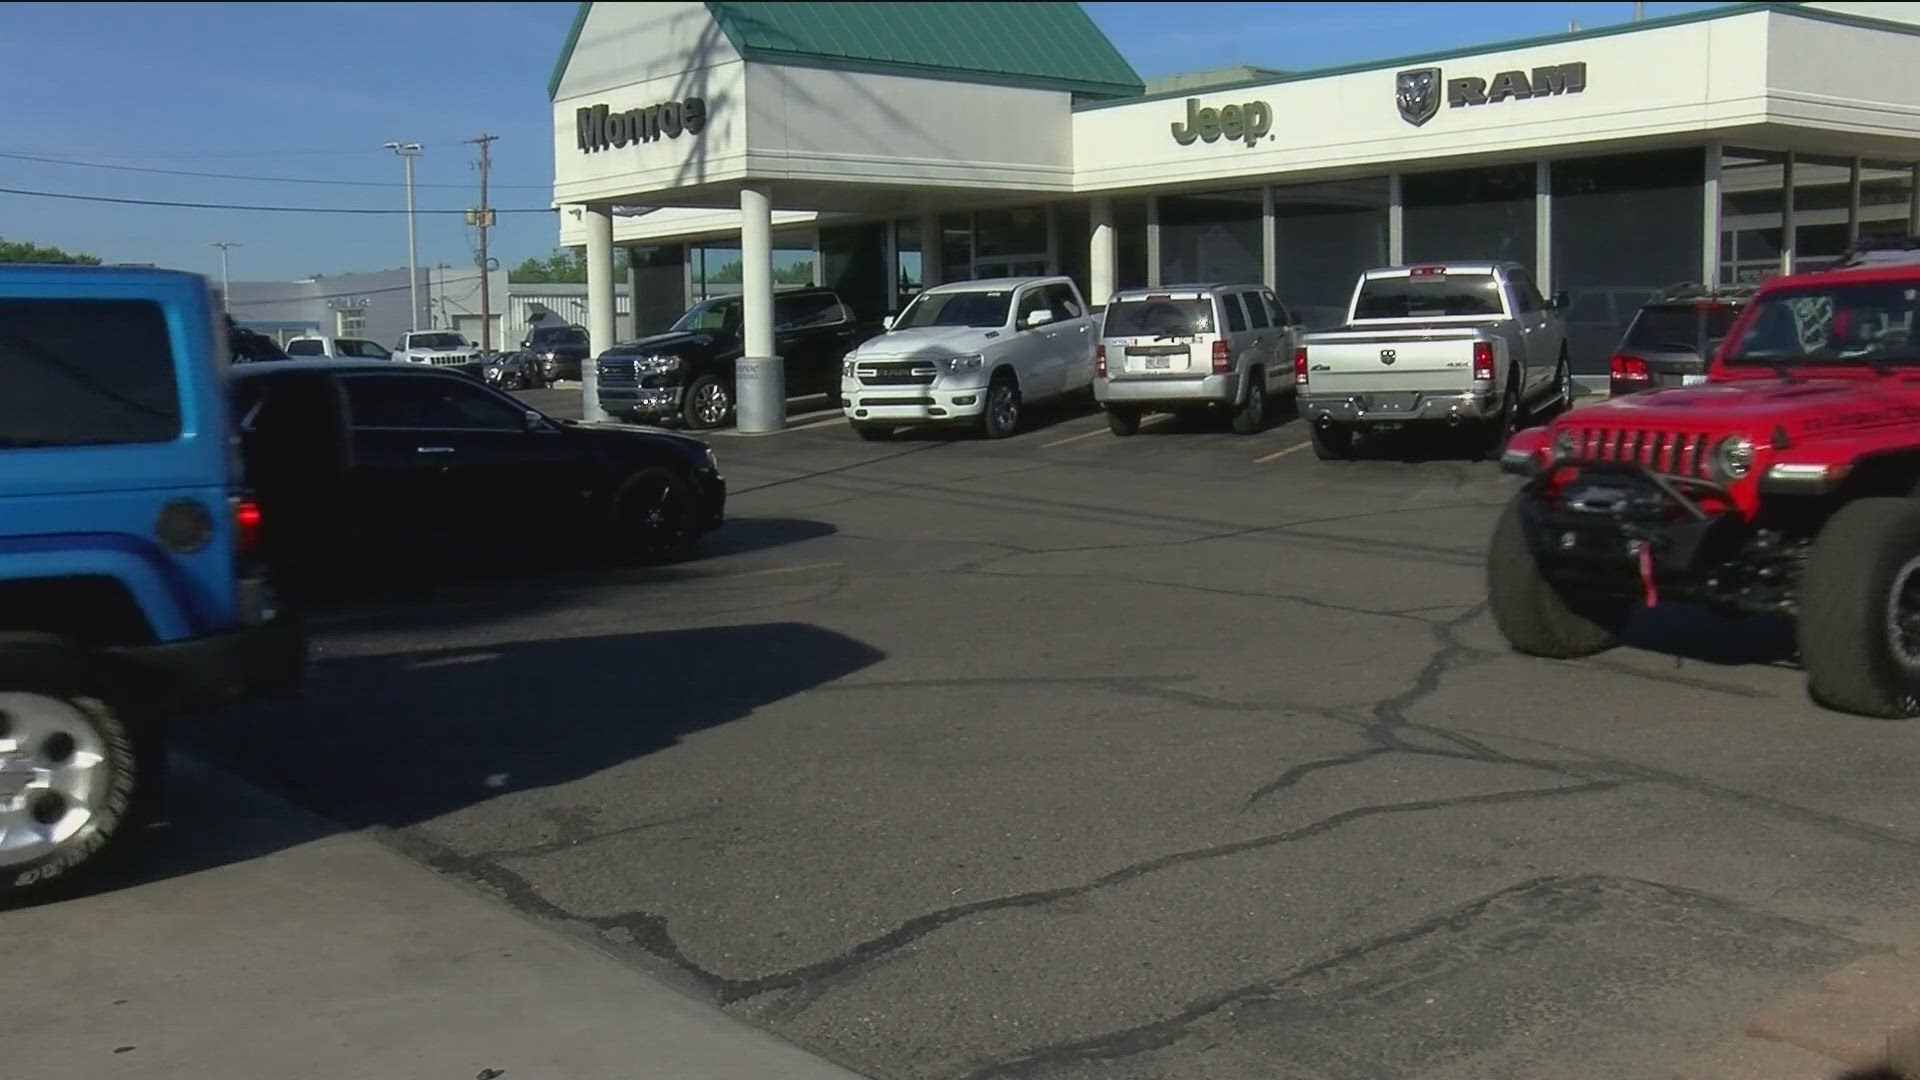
(267, 209)
(303, 152)
(231, 176)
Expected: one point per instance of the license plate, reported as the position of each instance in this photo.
(1398, 402)
(1692, 380)
(1158, 363)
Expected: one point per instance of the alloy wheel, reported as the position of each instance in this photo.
(53, 775)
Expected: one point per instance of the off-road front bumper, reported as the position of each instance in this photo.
(1610, 531)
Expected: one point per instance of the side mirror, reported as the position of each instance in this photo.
(1561, 300)
(1038, 318)
(533, 420)
(886, 323)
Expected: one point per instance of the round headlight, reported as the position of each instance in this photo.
(1733, 457)
(1563, 446)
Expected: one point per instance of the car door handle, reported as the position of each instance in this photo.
(434, 449)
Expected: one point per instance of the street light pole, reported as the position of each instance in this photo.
(407, 152)
(226, 290)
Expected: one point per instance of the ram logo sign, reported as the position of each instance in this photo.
(1417, 91)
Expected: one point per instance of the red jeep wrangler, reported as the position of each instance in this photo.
(1786, 483)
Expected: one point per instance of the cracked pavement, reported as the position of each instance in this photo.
(1130, 758)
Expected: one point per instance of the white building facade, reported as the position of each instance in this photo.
(1715, 147)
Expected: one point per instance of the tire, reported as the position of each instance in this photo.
(1332, 442)
(1500, 429)
(1001, 417)
(1858, 577)
(655, 520)
(873, 432)
(69, 739)
(707, 404)
(1251, 417)
(1532, 614)
(1563, 382)
(1123, 421)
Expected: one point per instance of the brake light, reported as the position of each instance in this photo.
(246, 525)
(1483, 360)
(1222, 358)
(1622, 367)
(1099, 361)
(1300, 366)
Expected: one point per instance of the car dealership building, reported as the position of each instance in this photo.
(896, 146)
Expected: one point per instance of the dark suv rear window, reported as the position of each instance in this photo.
(1679, 326)
(1159, 316)
(85, 372)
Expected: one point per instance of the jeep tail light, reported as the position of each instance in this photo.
(1483, 360)
(246, 525)
(1100, 361)
(1222, 358)
(1300, 366)
(1626, 368)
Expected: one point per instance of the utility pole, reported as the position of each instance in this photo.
(483, 219)
(226, 290)
(1639, 12)
(407, 152)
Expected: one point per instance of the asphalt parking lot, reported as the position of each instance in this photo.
(1069, 756)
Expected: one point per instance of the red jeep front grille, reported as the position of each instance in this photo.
(1676, 453)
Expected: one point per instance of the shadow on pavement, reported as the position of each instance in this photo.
(401, 738)
(1693, 632)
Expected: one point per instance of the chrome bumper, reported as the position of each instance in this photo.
(1421, 408)
(658, 401)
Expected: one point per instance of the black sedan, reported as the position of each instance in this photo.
(351, 460)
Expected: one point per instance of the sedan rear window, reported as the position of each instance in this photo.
(1436, 296)
(1679, 327)
(86, 372)
(1159, 316)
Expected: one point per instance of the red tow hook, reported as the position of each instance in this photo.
(1645, 551)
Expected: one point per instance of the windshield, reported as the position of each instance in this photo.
(436, 341)
(563, 336)
(719, 315)
(987, 307)
(1679, 327)
(1838, 323)
(1435, 296)
(82, 372)
(1159, 316)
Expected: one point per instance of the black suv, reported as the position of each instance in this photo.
(1673, 336)
(558, 350)
(688, 371)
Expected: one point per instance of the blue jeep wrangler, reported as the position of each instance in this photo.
(132, 588)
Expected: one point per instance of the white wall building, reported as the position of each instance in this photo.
(904, 144)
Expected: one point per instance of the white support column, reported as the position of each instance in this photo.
(1153, 241)
(1100, 260)
(1853, 201)
(1543, 226)
(1269, 244)
(1396, 223)
(893, 264)
(1788, 221)
(819, 261)
(633, 293)
(1710, 220)
(929, 250)
(760, 398)
(600, 335)
(1913, 202)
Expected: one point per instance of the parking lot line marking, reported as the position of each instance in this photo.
(819, 419)
(1281, 453)
(1073, 438)
(777, 570)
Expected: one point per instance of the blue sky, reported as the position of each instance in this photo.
(311, 91)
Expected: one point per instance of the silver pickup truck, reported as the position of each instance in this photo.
(1436, 344)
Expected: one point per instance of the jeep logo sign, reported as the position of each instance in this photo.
(1247, 123)
(599, 128)
(1417, 91)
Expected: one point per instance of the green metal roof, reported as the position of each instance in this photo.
(1051, 46)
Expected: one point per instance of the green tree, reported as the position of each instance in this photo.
(20, 251)
(565, 266)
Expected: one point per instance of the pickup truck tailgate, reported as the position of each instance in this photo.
(1377, 361)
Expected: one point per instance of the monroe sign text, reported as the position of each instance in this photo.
(600, 128)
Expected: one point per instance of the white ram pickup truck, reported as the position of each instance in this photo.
(1438, 344)
(973, 352)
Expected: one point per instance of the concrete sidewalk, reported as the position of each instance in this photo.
(269, 948)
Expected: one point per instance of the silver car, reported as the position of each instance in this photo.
(1213, 347)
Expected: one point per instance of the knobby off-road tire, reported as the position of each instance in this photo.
(1859, 621)
(70, 766)
(1533, 615)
